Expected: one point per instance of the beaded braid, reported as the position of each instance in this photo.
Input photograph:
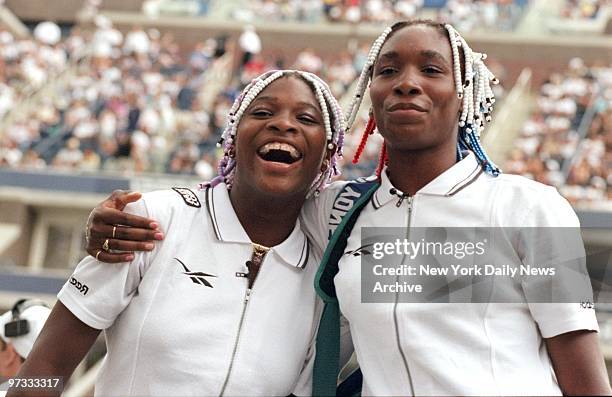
(477, 98)
(365, 77)
(369, 130)
(334, 126)
(476, 93)
(382, 161)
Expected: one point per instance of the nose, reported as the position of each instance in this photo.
(282, 122)
(407, 84)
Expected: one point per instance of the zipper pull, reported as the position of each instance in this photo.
(247, 296)
(401, 196)
(401, 200)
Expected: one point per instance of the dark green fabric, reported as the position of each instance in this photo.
(326, 365)
(326, 368)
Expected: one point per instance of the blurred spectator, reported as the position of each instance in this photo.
(136, 42)
(250, 44)
(48, 32)
(341, 74)
(309, 61)
(582, 9)
(70, 156)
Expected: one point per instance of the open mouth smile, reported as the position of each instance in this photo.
(278, 152)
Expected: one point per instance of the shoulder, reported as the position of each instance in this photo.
(540, 204)
(317, 211)
(168, 202)
(359, 185)
(527, 190)
(325, 200)
(520, 183)
(179, 196)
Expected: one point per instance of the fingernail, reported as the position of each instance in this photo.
(129, 258)
(153, 225)
(149, 246)
(158, 236)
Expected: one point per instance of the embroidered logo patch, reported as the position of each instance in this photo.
(190, 198)
(196, 277)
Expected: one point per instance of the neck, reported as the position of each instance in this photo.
(267, 220)
(410, 171)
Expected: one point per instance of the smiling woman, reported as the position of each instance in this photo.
(225, 304)
(431, 97)
(322, 110)
(281, 142)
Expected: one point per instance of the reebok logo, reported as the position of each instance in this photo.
(82, 288)
(196, 277)
(360, 251)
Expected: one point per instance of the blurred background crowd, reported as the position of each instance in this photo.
(138, 101)
(97, 95)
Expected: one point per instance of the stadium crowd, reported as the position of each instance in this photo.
(466, 15)
(136, 104)
(551, 148)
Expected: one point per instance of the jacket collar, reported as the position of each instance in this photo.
(447, 184)
(294, 250)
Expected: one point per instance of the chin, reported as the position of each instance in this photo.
(407, 142)
(281, 187)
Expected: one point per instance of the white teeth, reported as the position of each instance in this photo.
(280, 146)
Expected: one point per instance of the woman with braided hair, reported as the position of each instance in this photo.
(225, 304)
(431, 97)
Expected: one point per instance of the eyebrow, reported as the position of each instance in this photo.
(429, 54)
(275, 99)
(389, 55)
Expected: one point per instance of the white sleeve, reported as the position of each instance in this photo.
(554, 238)
(98, 292)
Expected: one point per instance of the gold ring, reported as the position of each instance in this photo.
(105, 246)
(114, 230)
(97, 254)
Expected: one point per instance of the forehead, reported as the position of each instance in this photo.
(418, 39)
(289, 90)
